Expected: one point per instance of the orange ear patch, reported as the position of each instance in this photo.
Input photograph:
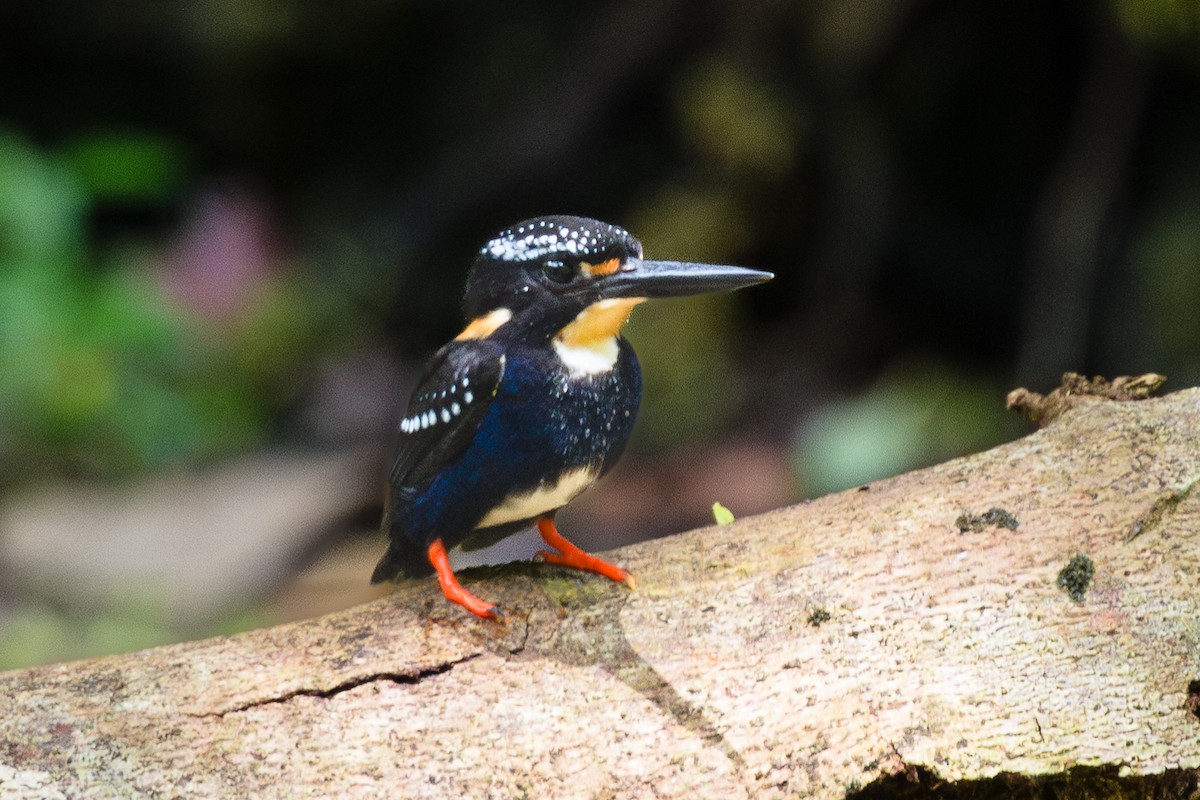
(599, 322)
(600, 270)
(485, 326)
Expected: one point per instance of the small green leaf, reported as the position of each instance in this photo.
(721, 514)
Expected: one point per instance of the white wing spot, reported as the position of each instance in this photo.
(468, 397)
(445, 415)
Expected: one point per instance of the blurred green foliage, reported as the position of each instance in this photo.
(38, 633)
(1170, 24)
(102, 372)
(917, 414)
(687, 346)
(131, 166)
(738, 122)
(1167, 269)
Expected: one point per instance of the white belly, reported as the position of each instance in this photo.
(544, 498)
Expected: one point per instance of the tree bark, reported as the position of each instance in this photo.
(879, 639)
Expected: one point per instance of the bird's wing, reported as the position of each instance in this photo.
(444, 413)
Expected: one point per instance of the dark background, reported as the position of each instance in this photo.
(231, 228)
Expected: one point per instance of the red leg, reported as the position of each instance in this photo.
(569, 555)
(453, 590)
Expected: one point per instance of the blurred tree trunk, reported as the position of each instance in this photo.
(1073, 221)
(876, 639)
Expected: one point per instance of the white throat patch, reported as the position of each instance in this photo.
(588, 359)
(546, 497)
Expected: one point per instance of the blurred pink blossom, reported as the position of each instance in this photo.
(226, 248)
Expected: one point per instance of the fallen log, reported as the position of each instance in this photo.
(1024, 617)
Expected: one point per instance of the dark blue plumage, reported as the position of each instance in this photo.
(541, 423)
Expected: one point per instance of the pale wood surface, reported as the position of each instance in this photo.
(950, 651)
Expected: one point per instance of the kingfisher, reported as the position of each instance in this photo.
(533, 402)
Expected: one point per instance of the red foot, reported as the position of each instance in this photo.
(453, 590)
(569, 555)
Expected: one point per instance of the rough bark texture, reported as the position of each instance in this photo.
(860, 642)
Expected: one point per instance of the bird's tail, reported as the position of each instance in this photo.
(404, 558)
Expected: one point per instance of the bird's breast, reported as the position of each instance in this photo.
(588, 415)
(551, 433)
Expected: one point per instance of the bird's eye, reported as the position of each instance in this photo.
(558, 271)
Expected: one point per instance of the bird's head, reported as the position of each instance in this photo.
(547, 273)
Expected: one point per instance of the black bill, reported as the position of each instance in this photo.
(638, 278)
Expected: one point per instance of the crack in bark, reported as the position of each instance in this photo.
(402, 678)
(1162, 508)
(524, 640)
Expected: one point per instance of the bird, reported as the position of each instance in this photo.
(533, 402)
